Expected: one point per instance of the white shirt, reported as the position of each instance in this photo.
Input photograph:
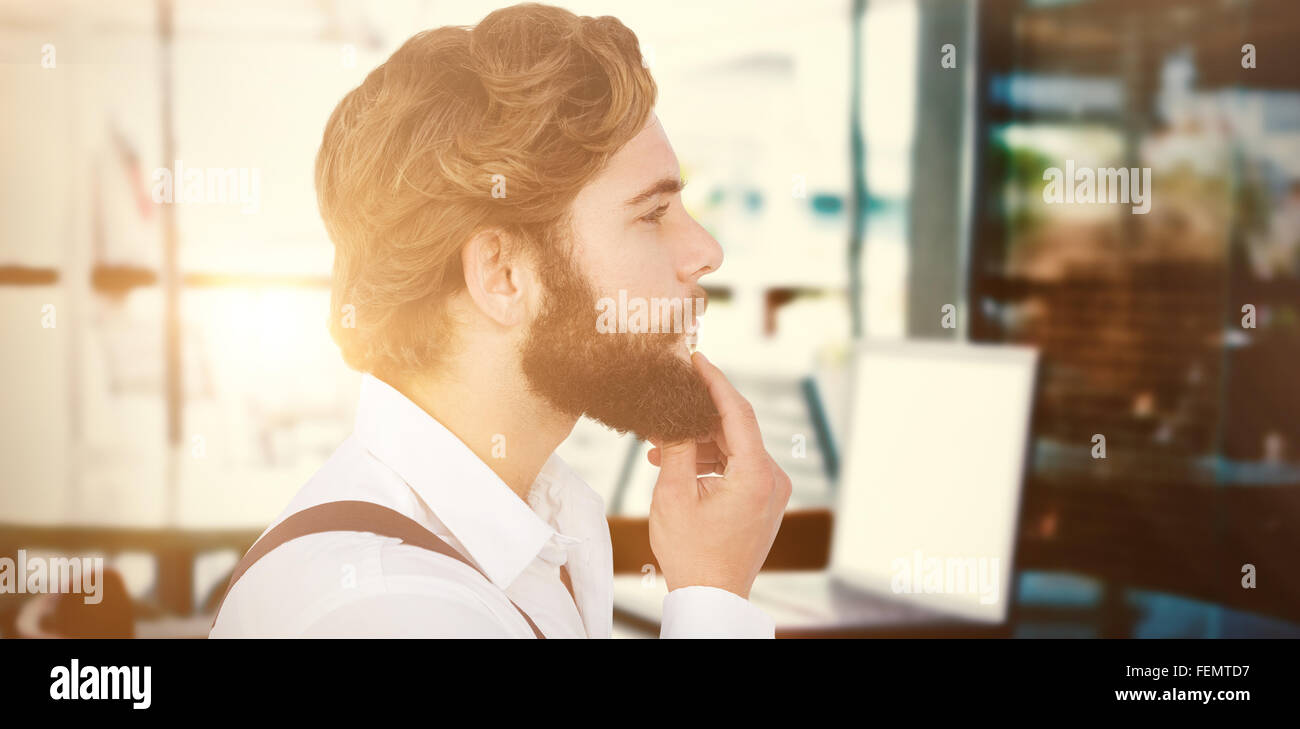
(358, 584)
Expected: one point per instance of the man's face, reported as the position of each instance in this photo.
(636, 261)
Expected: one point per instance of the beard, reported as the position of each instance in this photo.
(627, 381)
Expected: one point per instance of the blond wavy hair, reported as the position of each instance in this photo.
(409, 159)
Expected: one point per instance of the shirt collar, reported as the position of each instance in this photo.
(498, 530)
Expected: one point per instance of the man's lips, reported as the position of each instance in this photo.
(692, 334)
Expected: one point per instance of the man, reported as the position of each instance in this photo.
(486, 189)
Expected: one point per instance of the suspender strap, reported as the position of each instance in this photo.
(352, 516)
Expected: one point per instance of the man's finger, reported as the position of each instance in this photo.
(702, 465)
(708, 452)
(677, 464)
(739, 425)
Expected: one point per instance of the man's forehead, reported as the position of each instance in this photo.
(643, 161)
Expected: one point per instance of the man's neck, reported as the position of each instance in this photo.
(492, 412)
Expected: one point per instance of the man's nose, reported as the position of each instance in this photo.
(701, 253)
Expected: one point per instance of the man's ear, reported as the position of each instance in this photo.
(498, 276)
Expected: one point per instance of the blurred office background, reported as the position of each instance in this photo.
(169, 381)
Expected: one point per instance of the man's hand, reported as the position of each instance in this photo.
(716, 530)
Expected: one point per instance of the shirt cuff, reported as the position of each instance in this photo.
(709, 612)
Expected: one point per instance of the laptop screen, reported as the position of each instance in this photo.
(930, 492)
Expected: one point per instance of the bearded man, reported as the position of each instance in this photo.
(484, 189)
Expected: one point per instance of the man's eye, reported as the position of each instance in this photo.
(655, 215)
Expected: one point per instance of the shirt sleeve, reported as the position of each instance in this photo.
(710, 612)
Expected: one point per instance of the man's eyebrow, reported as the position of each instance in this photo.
(664, 186)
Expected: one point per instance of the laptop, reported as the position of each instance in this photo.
(928, 500)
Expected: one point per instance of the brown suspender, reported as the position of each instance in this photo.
(352, 516)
